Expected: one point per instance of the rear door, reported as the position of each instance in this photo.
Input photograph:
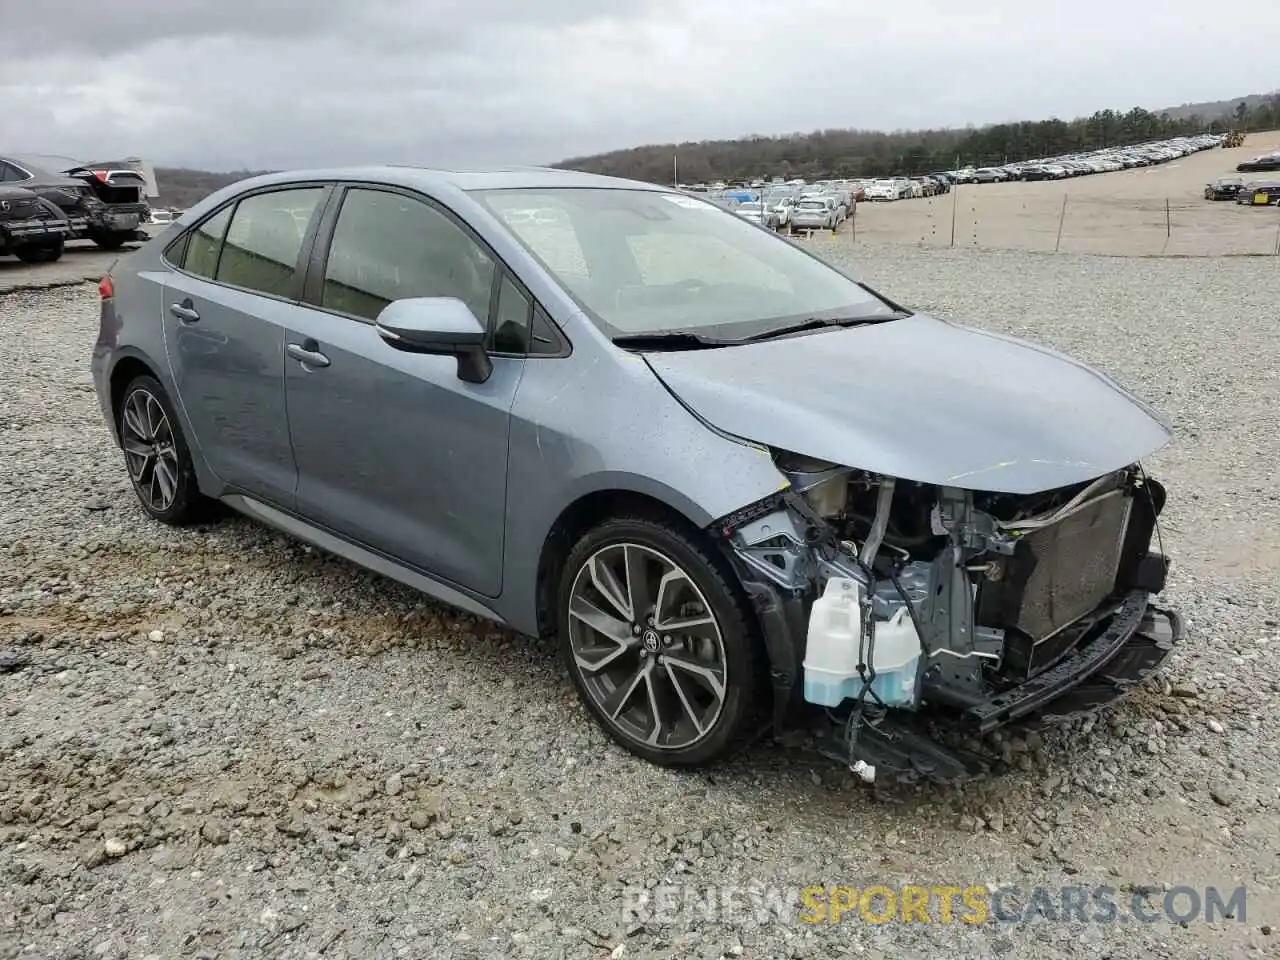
(393, 450)
(234, 289)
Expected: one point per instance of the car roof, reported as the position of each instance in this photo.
(500, 178)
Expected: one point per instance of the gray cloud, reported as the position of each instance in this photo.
(258, 83)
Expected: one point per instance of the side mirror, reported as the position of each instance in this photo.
(441, 326)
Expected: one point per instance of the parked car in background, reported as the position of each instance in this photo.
(757, 213)
(103, 202)
(1267, 161)
(814, 213)
(517, 419)
(884, 190)
(1224, 188)
(1259, 193)
(783, 208)
(31, 228)
(989, 175)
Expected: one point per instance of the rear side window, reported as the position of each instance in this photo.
(204, 244)
(264, 241)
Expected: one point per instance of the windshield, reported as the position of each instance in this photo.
(644, 262)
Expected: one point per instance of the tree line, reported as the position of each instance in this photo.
(867, 153)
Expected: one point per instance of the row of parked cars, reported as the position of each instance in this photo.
(792, 205)
(46, 201)
(1107, 160)
(1253, 192)
(823, 205)
(1249, 192)
(796, 204)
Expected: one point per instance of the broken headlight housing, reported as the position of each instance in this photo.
(823, 485)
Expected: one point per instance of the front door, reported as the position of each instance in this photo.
(393, 450)
(224, 312)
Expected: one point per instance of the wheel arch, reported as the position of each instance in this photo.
(131, 363)
(587, 511)
(126, 369)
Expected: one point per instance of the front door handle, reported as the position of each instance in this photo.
(185, 311)
(308, 354)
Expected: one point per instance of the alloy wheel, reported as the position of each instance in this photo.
(647, 646)
(149, 450)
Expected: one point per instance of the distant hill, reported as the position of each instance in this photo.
(855, 153)
(1212, 109)
(181, 188)
(870, 153)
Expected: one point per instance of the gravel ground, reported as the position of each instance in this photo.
(223, 744)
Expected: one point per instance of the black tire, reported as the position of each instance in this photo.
(188, 504)
(108, 240)
(39, 254)
(744, 660)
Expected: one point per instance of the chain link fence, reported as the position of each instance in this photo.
(987, 217)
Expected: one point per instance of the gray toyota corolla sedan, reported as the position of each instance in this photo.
(729, 478)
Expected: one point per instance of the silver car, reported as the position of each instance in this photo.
(814, 213)
(638, 423)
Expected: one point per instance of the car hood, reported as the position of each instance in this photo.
(921, 399)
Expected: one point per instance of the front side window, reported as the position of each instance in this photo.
(511, 319)
(387, 246)
(647, 262)
(263, 243)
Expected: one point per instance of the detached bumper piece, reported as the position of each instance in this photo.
(1133, 644)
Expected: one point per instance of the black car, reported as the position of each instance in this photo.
(1268, 161)
(1035, 171)
(1224, 188)
(103, 202)
(31, 228)
(1259, 193)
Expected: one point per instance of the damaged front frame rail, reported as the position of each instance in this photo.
(780, 548)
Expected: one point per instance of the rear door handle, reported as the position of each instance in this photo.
(185, 311)
(308, 354)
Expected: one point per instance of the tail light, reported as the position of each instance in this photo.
(106, 289)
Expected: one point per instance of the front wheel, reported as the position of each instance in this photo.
(46, 253)
(659, 641)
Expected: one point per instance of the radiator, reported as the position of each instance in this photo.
(1057, 575)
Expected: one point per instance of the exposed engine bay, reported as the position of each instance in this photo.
(1011, 601)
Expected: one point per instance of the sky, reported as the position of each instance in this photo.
(255, 84)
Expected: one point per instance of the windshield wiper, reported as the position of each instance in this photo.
(670, 340)
(819, 323)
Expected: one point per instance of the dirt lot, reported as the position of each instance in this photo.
(1121, 214)
(222, 744)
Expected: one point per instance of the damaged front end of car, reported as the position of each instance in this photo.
(991, 610)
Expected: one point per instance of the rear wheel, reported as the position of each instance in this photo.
(157, 456)
(659, 641)
(110, 239)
